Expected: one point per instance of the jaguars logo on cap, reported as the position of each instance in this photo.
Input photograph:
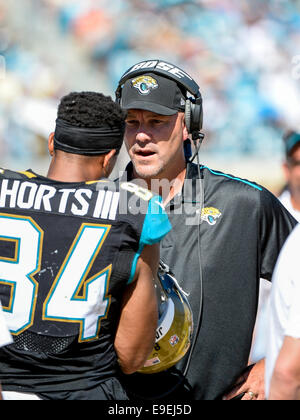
(144, 84)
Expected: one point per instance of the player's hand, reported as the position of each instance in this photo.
(250, 385)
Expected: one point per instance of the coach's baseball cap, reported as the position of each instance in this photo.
(292, 140)
(154, 93)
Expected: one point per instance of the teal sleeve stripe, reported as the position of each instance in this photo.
(134, 263)
(234, 178)
(155, 228)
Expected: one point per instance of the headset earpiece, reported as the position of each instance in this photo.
(188, 115)
(193, 116)
(197, 116)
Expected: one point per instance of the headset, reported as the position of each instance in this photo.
(193, 106)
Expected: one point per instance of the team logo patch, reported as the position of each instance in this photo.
(210, 215)
(144, 84)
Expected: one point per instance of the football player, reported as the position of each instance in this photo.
(78, 256)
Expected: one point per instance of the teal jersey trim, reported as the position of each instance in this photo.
(134, 263)
(155, 228)
(234, 178)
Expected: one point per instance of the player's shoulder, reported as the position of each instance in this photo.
(145, 211)
(17, 175)
(10, 174)
(135, 189)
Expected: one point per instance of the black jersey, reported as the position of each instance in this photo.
(67, 252)
(243, 228)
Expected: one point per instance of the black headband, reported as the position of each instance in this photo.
(87, 141)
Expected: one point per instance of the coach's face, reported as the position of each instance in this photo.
(155, 143)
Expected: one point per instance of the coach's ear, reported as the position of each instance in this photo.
(51, 144)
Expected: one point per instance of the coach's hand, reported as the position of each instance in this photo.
(250, 385)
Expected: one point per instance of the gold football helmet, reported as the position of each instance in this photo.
(175, 324)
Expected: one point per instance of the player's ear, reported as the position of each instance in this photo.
(109, 162)
(51, 144)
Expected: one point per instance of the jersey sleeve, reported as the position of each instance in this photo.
(156, 226)
(276, 224)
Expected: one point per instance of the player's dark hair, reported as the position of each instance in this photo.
(90, 110)
(89, 123)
